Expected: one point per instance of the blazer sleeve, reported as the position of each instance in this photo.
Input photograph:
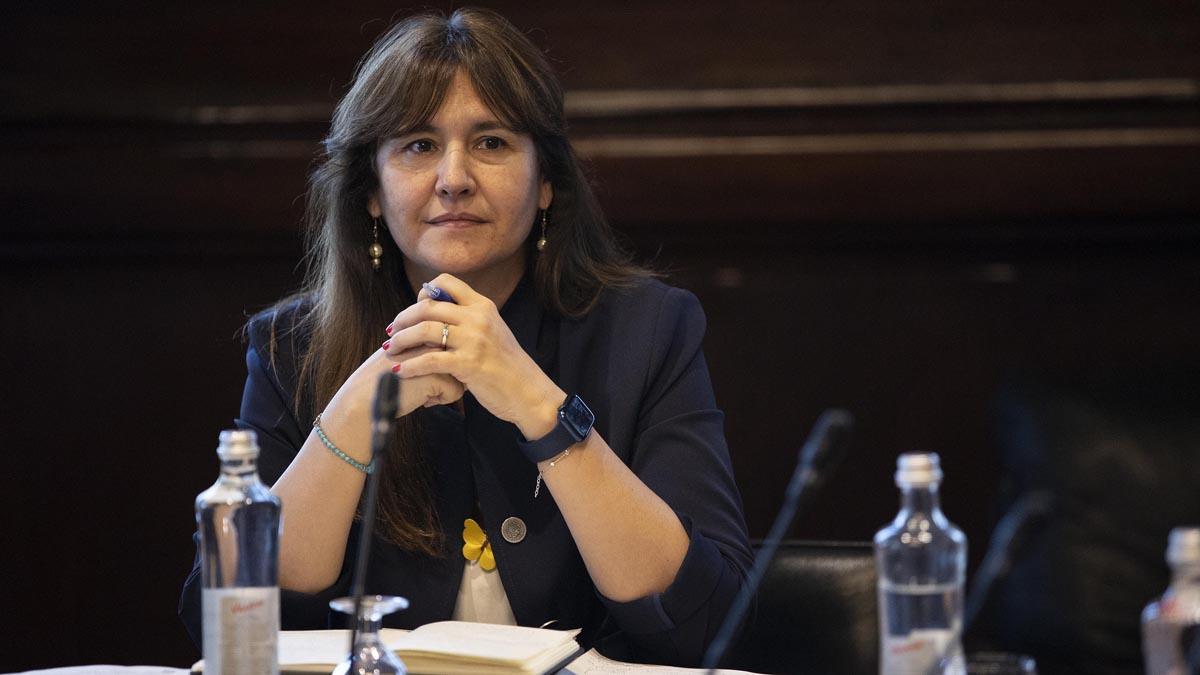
(267, 409)
(681, 454)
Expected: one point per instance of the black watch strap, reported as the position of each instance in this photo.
(574, 423)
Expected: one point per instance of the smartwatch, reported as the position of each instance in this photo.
(575, 422)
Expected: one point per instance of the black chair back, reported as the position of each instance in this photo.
(816, 612)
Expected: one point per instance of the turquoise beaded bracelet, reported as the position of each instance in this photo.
(365, 468)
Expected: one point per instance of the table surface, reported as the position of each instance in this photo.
(589, 663)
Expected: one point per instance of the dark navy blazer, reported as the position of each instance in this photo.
(636, 360)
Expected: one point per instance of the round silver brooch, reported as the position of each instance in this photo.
(513, 530)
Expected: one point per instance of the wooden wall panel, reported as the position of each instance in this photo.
(118, 375)
(160, 57)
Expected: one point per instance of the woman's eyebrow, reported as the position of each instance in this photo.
(478, 127)
(489, 125)
(419, 129)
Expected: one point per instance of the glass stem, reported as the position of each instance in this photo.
(368, 626)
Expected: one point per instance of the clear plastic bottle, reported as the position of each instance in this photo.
(1171, 624)
(238, 519)
(921, 560)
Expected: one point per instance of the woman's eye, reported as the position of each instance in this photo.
(420, 146)
(492, 143)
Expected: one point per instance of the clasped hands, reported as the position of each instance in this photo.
(481, 355)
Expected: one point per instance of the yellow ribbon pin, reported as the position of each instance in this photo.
(476, 547)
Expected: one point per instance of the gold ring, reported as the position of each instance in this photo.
(445, 334)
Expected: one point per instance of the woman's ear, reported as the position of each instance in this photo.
(373, 207)
(545, 195)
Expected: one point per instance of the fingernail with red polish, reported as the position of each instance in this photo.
(396, 368)
(387, 344)
(389, 330)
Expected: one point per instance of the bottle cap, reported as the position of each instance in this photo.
(238, 444)
(918, 469)
(1183, 546)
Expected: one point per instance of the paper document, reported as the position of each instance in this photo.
(460, 647)
(592, 663)
(444, 647)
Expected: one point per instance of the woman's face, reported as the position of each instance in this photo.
(461, 193)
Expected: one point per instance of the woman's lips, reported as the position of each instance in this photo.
(456, 220)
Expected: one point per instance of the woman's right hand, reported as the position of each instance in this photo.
(426, 391)
(358, 392)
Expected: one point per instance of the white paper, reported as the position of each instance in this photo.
(309, 647)
(592, 663)
(108, 670)
(492, 642)
(303, 647)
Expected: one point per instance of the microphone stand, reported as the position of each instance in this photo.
(1009, 538)
(383, 423)
(820, 452)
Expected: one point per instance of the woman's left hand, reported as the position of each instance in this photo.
(480, 352)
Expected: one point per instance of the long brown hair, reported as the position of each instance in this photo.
(399, 85)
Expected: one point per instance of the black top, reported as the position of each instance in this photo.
(636, 360)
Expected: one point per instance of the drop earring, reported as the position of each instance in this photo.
(541, 242)
(376, 249)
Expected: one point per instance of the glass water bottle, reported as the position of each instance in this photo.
(1171, 624)
(921, 560)
(238, 519)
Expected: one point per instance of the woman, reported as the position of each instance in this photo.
(447, 164)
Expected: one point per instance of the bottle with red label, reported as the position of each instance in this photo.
(1171, 624)
(921, 562)
(238, 522)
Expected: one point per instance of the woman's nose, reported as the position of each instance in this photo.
(454, 175)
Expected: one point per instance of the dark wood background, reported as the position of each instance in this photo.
(884, 206)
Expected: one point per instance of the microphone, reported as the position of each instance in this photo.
(383, 423)
(818, 457)
(1010, 537)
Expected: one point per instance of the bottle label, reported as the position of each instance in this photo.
(1170, 646)
(920, 652)
(241, 630)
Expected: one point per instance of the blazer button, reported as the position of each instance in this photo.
(513, 530)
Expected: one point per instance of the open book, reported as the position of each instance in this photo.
(442, 648)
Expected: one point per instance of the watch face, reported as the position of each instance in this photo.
(576, 417)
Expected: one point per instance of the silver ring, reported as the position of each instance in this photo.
(445, 334)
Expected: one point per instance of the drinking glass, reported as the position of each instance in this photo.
(370, 656)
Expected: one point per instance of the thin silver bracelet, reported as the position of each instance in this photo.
(537, 487)
(365, 468)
